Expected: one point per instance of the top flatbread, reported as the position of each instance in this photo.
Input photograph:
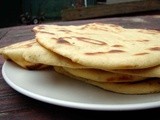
(103, 46)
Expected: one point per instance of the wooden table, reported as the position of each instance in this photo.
(15, 106)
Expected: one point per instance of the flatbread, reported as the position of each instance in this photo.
(102, 76)
(15, 52)
(38, 54)
(148, 72)
(151, 85)
(103, 46)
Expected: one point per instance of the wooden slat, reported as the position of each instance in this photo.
(110, 9)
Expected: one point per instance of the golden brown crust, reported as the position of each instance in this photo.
(103, 46)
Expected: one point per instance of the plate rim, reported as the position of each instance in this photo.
(77, 105)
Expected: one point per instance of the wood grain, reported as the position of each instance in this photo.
(110, 9)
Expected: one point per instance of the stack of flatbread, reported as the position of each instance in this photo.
(105, 55)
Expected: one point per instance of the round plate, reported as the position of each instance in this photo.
(51, 87)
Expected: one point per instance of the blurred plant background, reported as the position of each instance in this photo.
(17, 12)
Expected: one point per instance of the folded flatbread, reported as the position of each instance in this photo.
(102, 76)
(15, 52)
(102, 46)
(147, 86)
(38, 54)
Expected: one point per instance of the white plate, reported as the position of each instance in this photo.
(54, 88)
